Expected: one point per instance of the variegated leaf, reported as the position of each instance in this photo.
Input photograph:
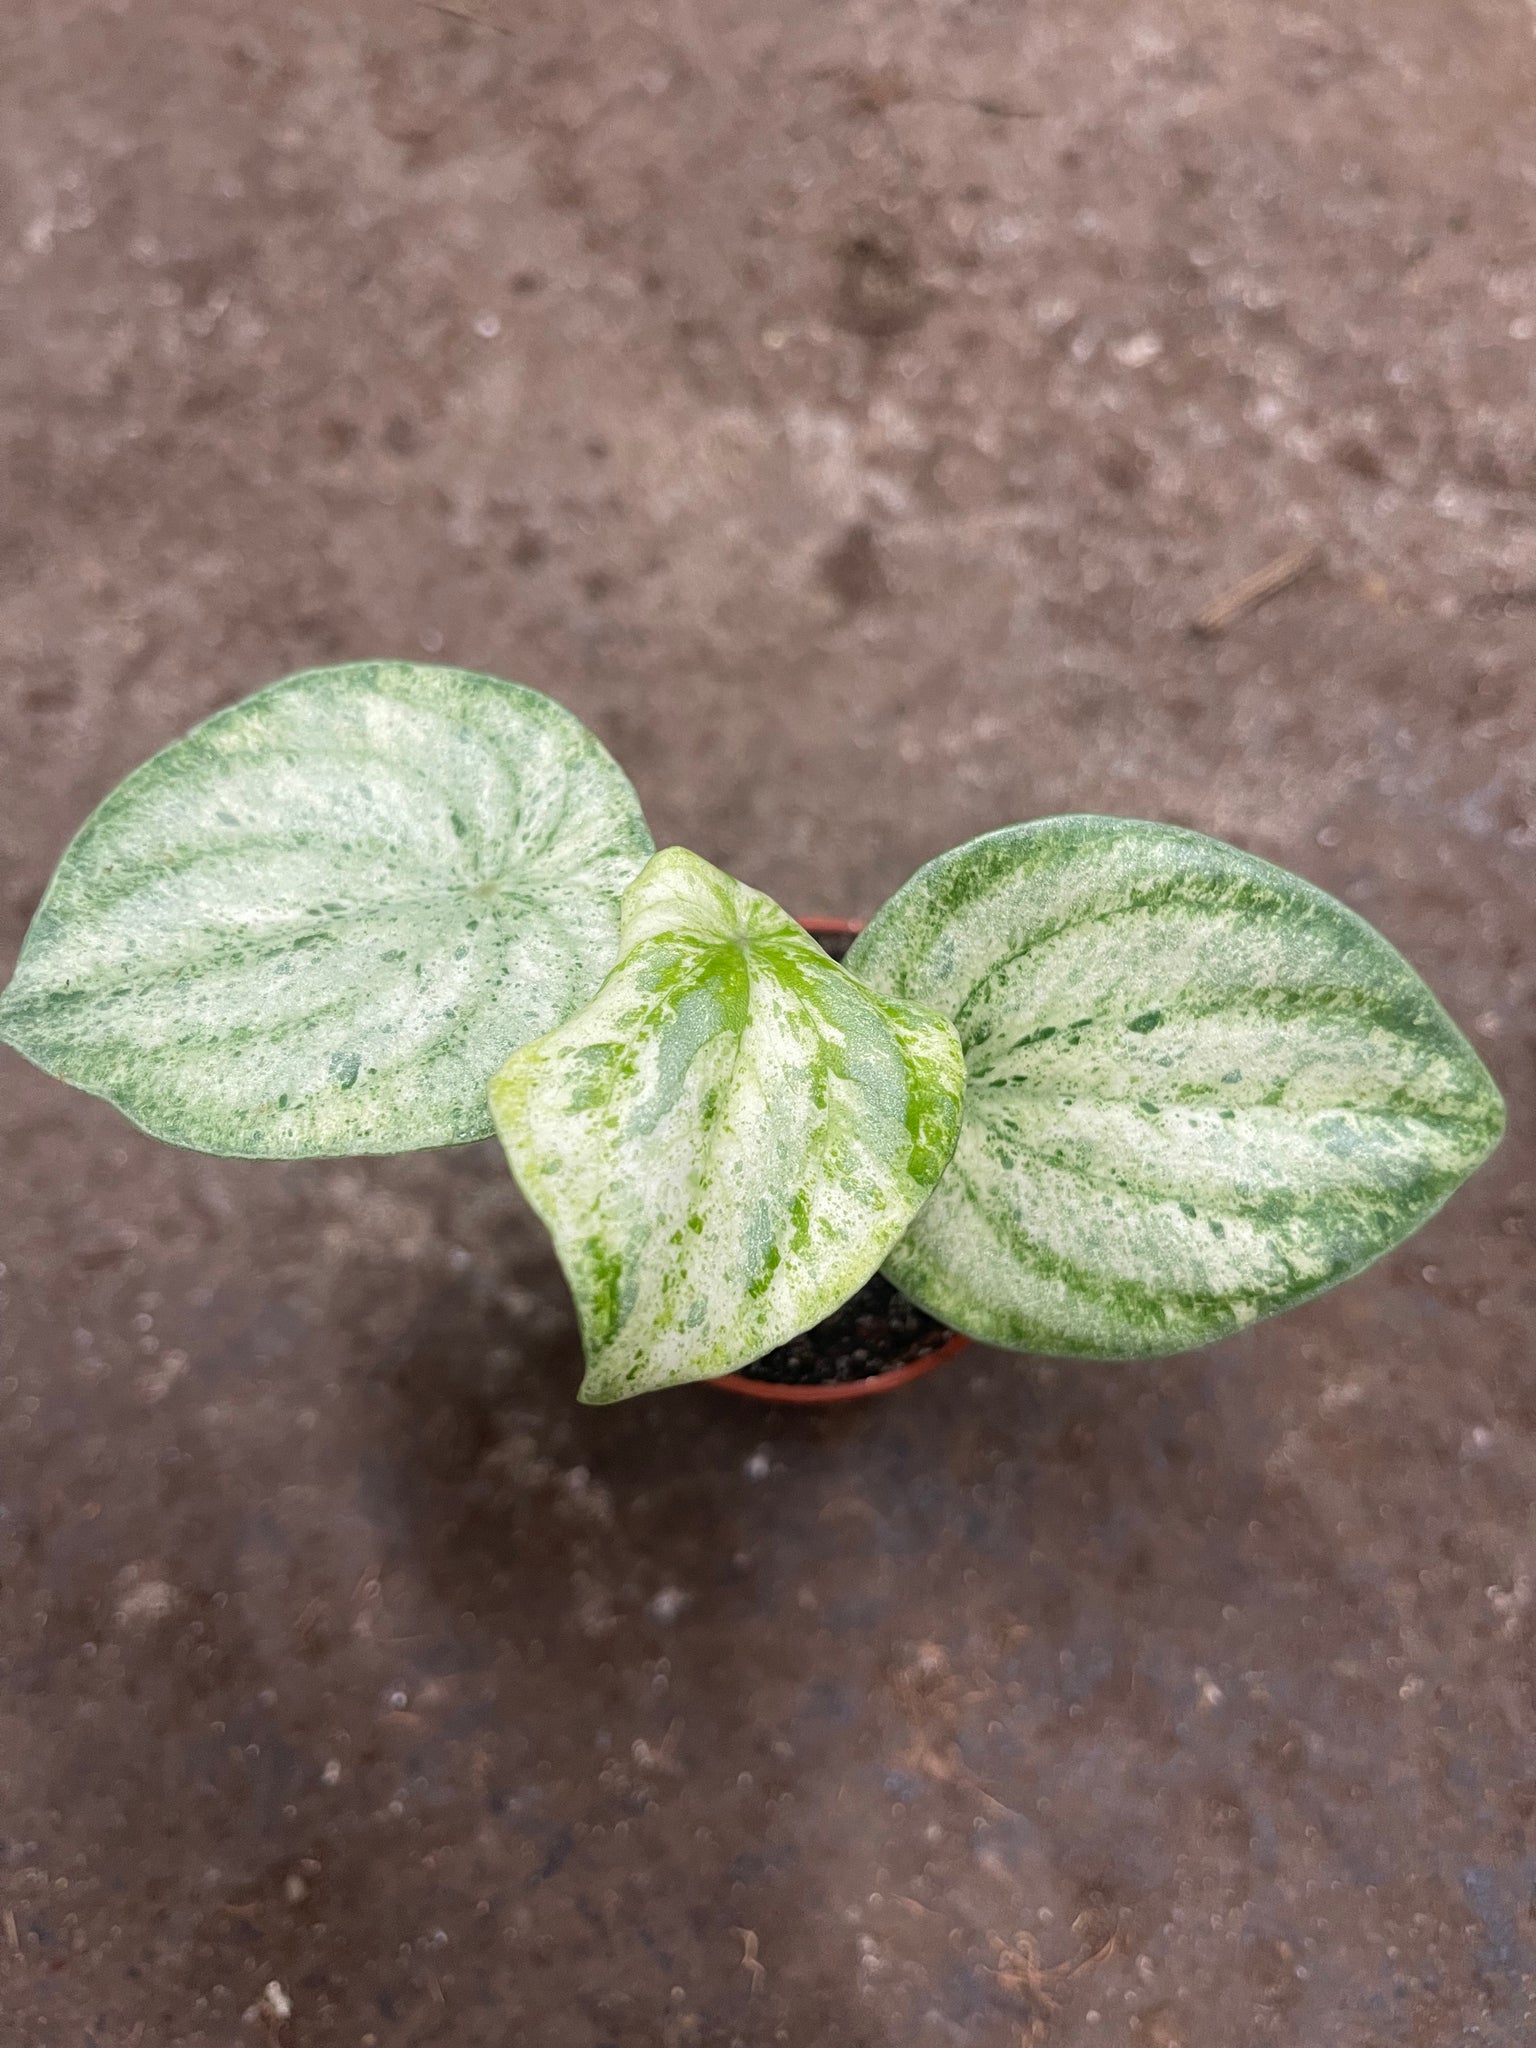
(730, 1137)
(1198, 1089)
(318, 923)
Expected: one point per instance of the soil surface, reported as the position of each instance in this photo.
(845, 410)
(873, 1332)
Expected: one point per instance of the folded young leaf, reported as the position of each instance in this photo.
(317, 923)
(730, 1137)
(1198, 1089)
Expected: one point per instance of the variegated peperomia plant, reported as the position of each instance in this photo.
(1087, 1086)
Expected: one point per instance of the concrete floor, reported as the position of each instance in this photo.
(843, 409)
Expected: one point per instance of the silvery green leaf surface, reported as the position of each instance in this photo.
(322, 920)
(1198, 1089)
(730, 1137)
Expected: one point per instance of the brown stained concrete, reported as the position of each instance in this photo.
(843, 408)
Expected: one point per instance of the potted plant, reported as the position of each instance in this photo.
(1088, 1086)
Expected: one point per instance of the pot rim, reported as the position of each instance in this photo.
(846, 1390)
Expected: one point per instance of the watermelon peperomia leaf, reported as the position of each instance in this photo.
(1198, 1089)
(730, 1137)
(317, 923)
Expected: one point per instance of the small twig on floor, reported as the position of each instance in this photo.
(12, 1938)
(458, 14)
(1257, 589)
(1019, 1973)
(663, 1757)
(749, 1959)
(996, 110)
(1100, 1955)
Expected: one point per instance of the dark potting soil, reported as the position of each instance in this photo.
(835, 943)
(874, 1331)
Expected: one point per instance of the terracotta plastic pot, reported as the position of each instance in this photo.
(879, 1382)
(845, 1390)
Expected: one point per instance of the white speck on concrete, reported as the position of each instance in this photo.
(1139, 350)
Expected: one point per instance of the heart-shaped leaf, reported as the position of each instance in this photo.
(320, 921)
(1198, 1089)
(730, 1137)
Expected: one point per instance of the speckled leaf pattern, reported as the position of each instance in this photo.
(321, 921)
(1198, 1089)
(729, 1139)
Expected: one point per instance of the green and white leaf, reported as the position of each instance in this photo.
(320, 921)
(1198, 1089)
(731, 1136)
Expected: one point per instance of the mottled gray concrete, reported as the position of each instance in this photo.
(852, 457)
